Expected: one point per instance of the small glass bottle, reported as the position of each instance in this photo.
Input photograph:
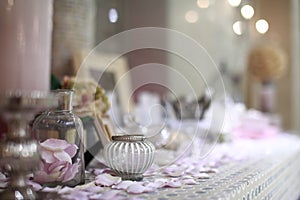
(129, 156)
(61, 144)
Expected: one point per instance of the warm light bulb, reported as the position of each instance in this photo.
(203, 3)
(262, 26)
(191, 16)
(237, 28)
(247, 11)
(234, 3)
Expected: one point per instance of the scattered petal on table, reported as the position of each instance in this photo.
(156, 184)
(190, 169)
(174, 171)
(173, 184)
(186, 177)
(101, 171)
(189, 181)
(66, 190)
(107, 180)
(95, 196)
(201, 176)
(111, 194)
(177, 173)
(77, 195)
(163, 180)
(134, 198)
(136, 188)
(93, 189)
(153, 186)
(208, 170)
(123, 185)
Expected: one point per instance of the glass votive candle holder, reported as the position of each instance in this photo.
(129, 156)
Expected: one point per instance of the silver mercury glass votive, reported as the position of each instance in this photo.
(19, 151)
(129, 156)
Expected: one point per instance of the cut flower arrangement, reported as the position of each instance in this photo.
(89, 98)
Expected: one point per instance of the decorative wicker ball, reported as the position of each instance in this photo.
(266, 62)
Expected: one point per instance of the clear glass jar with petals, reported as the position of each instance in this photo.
(61, 144)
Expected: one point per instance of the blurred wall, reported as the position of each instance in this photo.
(213, 31)
(278, 14)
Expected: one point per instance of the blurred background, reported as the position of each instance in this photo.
(255, 44)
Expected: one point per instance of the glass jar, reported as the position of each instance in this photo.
(129, 156)
(61, 144)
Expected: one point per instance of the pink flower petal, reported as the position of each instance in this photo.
(107, 180)
(111, 194)
(71, 172)
(101, 171)
(93, 189)
(66, 190)
(77, 195)
(208, 170)
(71, 150)
(154, 185)
(151, 187)
(34, 185)
(54, 144)
(47, 156)
(62, 156)
(175, 173)
(173, 184)
(56, 166)
(201, 176)
(43, 177)
(189, 181)
(95, 196)
(136, 188)
(49, 189)
(123, 185)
